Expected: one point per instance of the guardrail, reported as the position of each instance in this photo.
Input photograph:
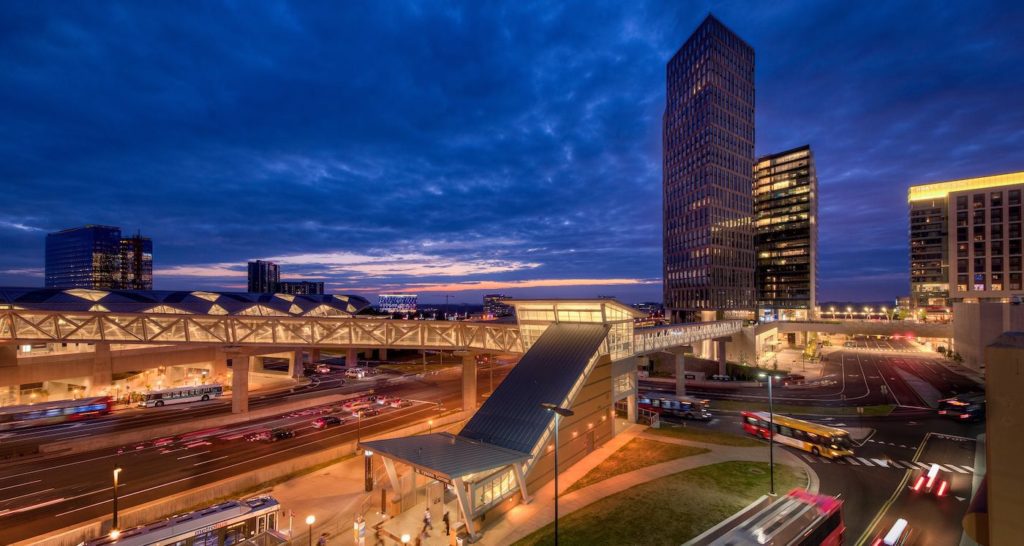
(647, 340)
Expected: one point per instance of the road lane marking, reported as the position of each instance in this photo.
(26, 495)
(193, 455)
(895, 494)
(853, 462)
(20, 485)
(969, 468)
(211, 460)
(865, 461)
(881, 462)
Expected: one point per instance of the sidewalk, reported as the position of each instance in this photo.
(527, 518)
(974, 375)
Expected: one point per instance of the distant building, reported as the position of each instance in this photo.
(786, 235)
(494, 307)
(708, 154)
(98, 257)
(263, 277)
(649, 308)
(966, 242)
(397, 303)
(300, 288)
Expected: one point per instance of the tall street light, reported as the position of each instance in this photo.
(113, 524)
(559, 413)
(771, 435)
(310, 520)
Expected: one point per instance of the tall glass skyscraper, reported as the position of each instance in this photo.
(786, 234)
(707, 186)
(263, 277)
(98, 257)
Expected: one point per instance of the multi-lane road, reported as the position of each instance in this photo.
(41, 495)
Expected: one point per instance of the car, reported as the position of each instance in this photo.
(257, 436)
(719, 377)
(322, 369)
(399, 403)
(897, 535)
(356, 373)
(931, 482)
(383, 399)
(793, 379)
(324, 422)
(368, 412)
(355, 405)
(281, 434)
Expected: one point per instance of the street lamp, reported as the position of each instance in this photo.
(368, 471)
(849, 313)
(559, 413)
(310, 520)
(771, 435)
(430, 426)
(833, 309)
(406, 538)
(113, 523)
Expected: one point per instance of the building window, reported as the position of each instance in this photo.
(979, 200)
(1014, 197)
(979, 249)
(961, 250)
(996, 198)
(961, 202)
(979, 265)
(961, 234)
(997, 231)
(979, 233)
(1015, 281)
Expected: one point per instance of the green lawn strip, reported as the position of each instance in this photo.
(883, 409)
(669, 510)
(634, 455)
(708, 436)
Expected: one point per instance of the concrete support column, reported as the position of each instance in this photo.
(680, 359)
(384, 353)
(8, 355)
(296, 364)
(351, 358)
(631, 408)
(468, 380)
(721, 356)
(219, 365)
(102, 369)
(240, 383)
(314, 356)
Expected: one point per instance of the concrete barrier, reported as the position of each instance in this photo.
(142, 434)
(243, 484)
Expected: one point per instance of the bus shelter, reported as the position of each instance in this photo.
(470, 469)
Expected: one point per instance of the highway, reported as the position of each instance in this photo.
(44, 495)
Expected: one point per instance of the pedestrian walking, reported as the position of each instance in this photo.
(427, 523)
(447, 523)
(322, 541)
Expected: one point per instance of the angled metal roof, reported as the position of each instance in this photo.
(446, 454)
(183, 302)
(512, 417)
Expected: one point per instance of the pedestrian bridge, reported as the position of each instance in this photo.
(903, 328)
(315, 322)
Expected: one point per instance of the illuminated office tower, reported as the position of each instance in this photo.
(707, 187)
(263, 277)
(97, 257)
(786, 235)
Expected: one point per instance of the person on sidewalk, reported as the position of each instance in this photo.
(447, 524)
(322, 541)
(427, 524)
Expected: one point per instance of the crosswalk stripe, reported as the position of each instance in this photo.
(955, 468)
(969, 468)
(865, 461)
(923, 466)
(806, 458)
(823, 460)
(840, 461)
(881, 462)
(853, 462)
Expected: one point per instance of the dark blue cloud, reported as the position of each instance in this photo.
(497, 142)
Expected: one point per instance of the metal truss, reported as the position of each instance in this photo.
(649, 340)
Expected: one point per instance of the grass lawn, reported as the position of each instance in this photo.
(636, 454)
(883, 409)
(670, 510)
(708, 436)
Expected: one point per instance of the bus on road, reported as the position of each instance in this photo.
(50, 413)
(670, 404)
(180, 395)
(798, 519)
(818, 439)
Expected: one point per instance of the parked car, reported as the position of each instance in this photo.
(324, 422)
(368, 412)
(281, 434)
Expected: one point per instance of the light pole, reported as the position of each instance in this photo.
(771, 436)
(368, 471)
(113, 523)
(559, 413)
(430, 426)
(310, 520)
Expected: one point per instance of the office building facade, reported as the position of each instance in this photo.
(707, 188)
(300, 288)
(494, 306)
(397, 303)
(786, 235)
(965, 242)
(263, 277)
(98, 257)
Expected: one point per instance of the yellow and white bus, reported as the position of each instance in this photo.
(818, 439)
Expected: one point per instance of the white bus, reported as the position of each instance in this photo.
(180, 395)
(225, 524)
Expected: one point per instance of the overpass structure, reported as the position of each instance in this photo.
(232, 327)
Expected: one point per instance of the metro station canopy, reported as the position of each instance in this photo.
(180, 302)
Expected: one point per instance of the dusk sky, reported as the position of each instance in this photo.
(467, 148)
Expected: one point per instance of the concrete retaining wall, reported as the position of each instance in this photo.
(226, 488)
(142, 434)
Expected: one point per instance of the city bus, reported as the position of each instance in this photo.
(224, 524)
(798, 519)
(180, 395)
(965, 407)
(670, 404)
(821, 440)
(49, 413)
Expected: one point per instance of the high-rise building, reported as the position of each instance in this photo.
(98, 257)
(263, 277)
(707, 188)
(300, 288)
(965, 242)
(495, 307)
(786, 235)
(397, 303)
